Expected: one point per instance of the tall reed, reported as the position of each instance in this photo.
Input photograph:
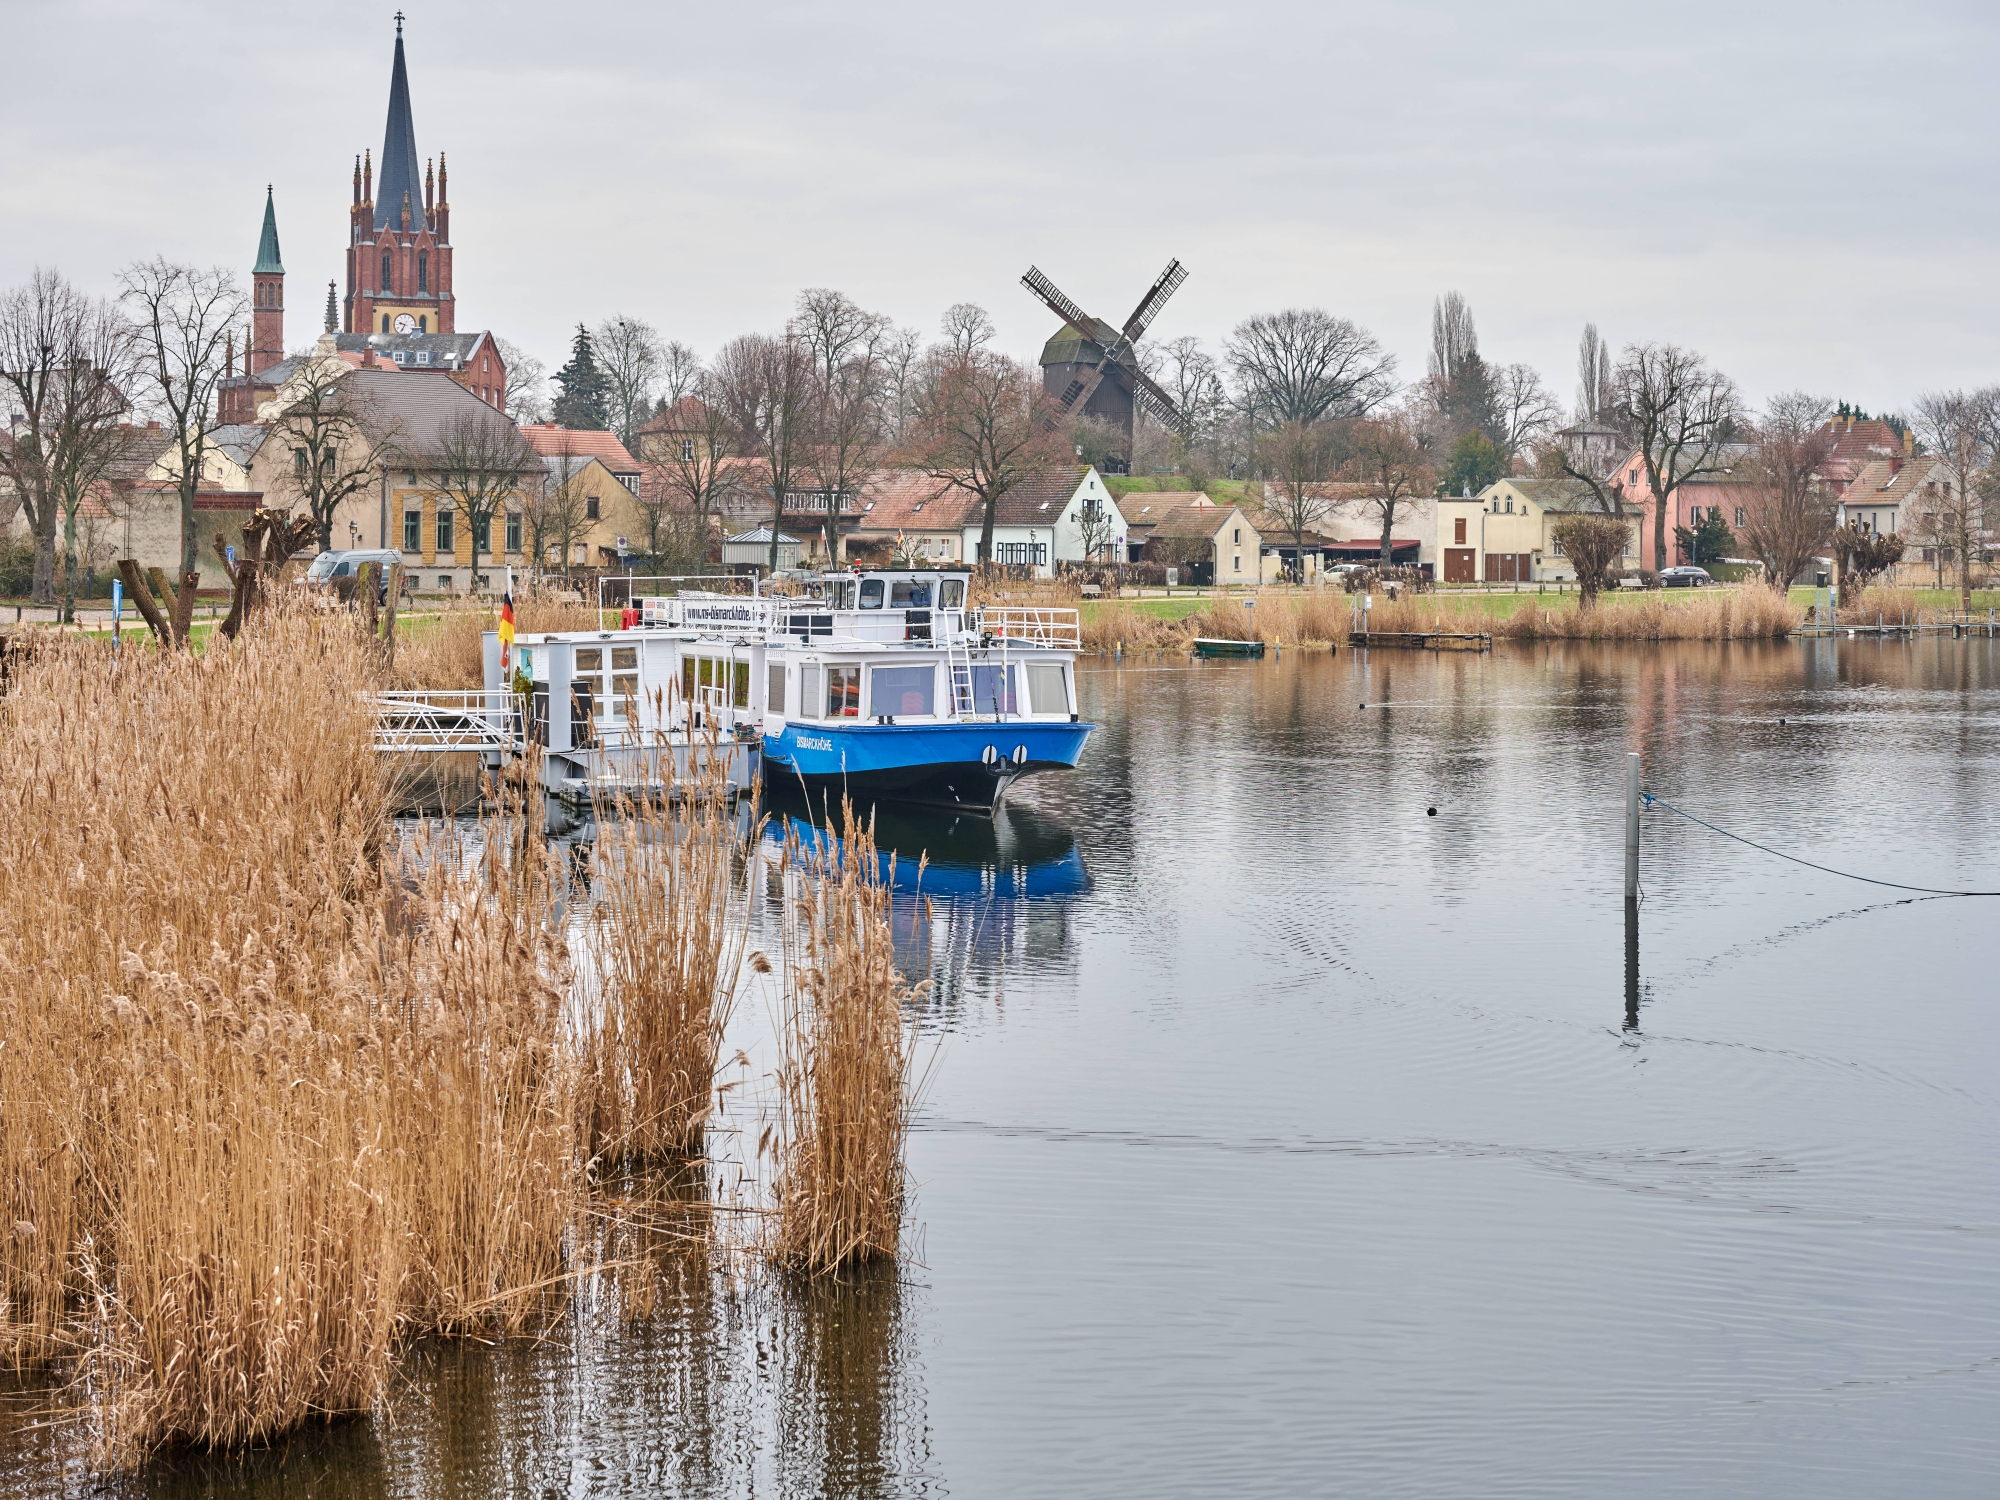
(670, 945)
(845, 1085)
(265, 1098)
(444, 652)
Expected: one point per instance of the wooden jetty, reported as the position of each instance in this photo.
(1420, 640)
(1207, 646)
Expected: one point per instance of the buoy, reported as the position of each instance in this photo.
(1430, 812)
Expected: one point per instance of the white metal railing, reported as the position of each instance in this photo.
(632, 586)
(410, 723)
(1027, 625)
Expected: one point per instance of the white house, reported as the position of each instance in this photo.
(1060, 515)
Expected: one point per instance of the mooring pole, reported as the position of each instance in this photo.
(1632, 826)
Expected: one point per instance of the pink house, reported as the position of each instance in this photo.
(1690, 504)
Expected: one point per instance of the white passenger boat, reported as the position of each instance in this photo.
(878, 682)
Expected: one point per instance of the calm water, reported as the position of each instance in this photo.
(1283, 1139)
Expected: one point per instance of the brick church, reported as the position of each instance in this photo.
(399, 309)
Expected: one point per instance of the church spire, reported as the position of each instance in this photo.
(268, 261)
(399, 143)
(332, 317)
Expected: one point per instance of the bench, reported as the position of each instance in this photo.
(1093, 591)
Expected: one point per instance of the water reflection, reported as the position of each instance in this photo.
(973, 898)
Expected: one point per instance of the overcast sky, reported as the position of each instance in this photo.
(1802, 191)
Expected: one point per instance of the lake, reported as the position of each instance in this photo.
(1284, 1138)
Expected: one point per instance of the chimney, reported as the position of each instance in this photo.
(1909, 443)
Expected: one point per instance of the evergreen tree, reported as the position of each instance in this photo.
(584, 402)
(1709, 541)
(1475, 462)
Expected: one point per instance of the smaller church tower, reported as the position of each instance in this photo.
(267, 314)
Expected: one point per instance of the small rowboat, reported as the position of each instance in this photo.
(1205, 646)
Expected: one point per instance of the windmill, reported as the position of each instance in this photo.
(1091, 368)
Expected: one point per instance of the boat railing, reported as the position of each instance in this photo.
(431, 721)
(621, 590)
(1029, 625)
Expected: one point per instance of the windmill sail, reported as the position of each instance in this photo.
(1155, 299)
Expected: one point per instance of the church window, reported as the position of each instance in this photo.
(423, 272)
(424, 326)
(385, 322)
(385, 271)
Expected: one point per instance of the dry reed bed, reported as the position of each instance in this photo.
(845, 1085)
(266, 1102)
(1314, 617)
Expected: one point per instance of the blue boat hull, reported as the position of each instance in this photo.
(953, 765)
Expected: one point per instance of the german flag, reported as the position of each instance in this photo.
(507, 630)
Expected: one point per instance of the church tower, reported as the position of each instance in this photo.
(267, 313)
(399, 244)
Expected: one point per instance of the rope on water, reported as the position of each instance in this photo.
(1922, 890)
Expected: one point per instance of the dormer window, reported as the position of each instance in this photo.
(423, 356)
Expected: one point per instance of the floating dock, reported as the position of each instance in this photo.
(1420, 640)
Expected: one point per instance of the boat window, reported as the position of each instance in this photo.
(1047, 693)
(624, 658)
(951, 593)
(903, 690)
(590, 658)
(625, 694)
(843, 692)
(910, 593)
(809, 692)
(774, 700)
(738, 682)
(871, 593)
(993, 691)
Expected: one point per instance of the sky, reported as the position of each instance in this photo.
(1803, 192)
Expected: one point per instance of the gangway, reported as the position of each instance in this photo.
(446, 722)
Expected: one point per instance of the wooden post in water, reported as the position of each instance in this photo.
(1632, 826)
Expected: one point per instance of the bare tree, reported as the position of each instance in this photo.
(1525, 409)
(527, 395)
(766, 386)
(1593, 545)
(480, 460)
(693, 468)
(557, 510)
(902, 366)
(66, 362)
(1788, 515)
(1682, 418)
(1458, 384)
(1959, 429)
(849, 435)
(333, 432)
(1596, 388)
(1864, 554)
(1296, 460)
(833, 326)
(1303, 364)
(185, 319)
(632, 358)
(1385, 454)
(1095, 527)
(1191, 376)
(983, 424)
(680, 371)
(967, 327)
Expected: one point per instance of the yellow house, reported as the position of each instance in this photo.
(590, 499)
(1504, 534)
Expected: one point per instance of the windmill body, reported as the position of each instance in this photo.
(1091, 367)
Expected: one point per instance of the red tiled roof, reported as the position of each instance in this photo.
(685, 415)
(903, 500)
(549, 440)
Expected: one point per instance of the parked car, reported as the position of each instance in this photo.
(1684, 577)
(329, 568)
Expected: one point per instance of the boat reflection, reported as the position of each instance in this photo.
(973, 898)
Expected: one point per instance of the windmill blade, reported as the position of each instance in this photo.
(1155, 299)
(1161, 407)
(1083, 387)
(1053, 299)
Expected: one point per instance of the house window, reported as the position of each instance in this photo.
(423, 272)
(1739, 516)
(1021, 554)
(513, 531)
(444, 538)
(413, 530)
(1239, 562)
(590, 509)
(1458, 531)
(687, 450)
(482, 534)
(1510, 507)
(1633, 477)
(1237, 538)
